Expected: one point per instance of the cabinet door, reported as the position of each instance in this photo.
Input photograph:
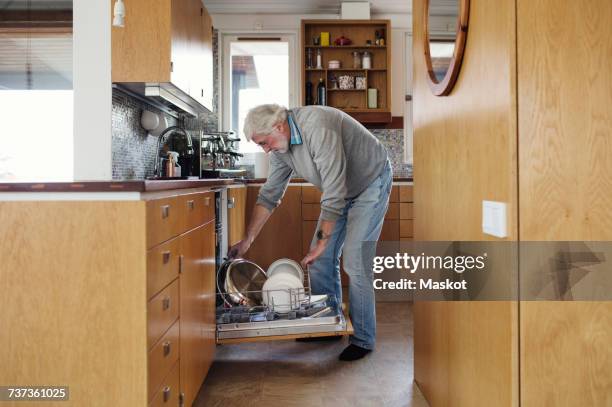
(236, 214)
(191, 281)
(207, 317)
(197, 312)
(181, 37)
(205, 74)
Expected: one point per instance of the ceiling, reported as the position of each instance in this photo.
(439, 7)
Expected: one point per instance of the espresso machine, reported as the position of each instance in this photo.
(219, 155)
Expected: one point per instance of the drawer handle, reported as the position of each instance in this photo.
(166, 257)
(191, 204)
(166, 303)
(166, 394)
(207, 201)
(167, 348)
(165, 211)
(231, 203)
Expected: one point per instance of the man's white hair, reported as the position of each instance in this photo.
(262, 119)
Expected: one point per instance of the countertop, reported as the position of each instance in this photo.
(112, 186)
(137, 185)
(302, 180)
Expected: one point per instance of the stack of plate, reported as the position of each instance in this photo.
(284, 288)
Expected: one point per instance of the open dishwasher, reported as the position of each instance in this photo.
(252, 307)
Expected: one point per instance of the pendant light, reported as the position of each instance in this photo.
(119, 14)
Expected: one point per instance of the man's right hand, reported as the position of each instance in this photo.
(239, 249)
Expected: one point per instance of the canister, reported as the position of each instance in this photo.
(325, 39)
(372, 98)
(366, 61)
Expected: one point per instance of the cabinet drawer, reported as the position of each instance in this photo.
(162, 266)
(406, 228)
(390, 231)
(162, 311)
(405, 193)
(162, 358)
(168, 393)
(163, 220)
(311, 211)
(394, 197)
(392, 211)
(311, 195)
(197, 209)
(406, 210)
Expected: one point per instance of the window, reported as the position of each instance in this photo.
(36, 91)
(256, 71)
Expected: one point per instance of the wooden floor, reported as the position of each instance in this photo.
(289, 373)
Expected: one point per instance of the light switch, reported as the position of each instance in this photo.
(494, 218)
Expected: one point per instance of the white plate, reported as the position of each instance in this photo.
(282, 292)
(286, 266)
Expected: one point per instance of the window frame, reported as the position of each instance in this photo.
(225, 39)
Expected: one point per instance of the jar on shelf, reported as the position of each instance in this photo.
(356, 60)
(309, 58)
(366, 60)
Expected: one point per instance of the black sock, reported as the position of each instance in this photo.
(353, 352)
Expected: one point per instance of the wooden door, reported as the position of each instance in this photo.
(191, 309)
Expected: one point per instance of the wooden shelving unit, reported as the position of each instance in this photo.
(352, 101)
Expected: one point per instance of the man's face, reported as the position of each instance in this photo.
(278, 140)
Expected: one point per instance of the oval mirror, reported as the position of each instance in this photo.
(444, 51)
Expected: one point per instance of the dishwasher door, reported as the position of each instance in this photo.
(322, 316)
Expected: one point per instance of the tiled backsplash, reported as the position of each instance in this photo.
(393, 140)
(132, 147)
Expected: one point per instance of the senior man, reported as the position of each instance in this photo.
(350, 167)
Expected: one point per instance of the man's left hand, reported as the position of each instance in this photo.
(314, 254)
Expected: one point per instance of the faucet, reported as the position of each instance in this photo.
(161, 140)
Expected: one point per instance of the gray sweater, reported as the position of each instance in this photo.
(337, 155)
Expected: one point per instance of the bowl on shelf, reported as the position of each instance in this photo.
(334, 64)
(343, 41)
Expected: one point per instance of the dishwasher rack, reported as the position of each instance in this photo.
(304, 315)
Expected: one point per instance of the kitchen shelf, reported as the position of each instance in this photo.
(346, 90)
(378, 77)
(346, 46)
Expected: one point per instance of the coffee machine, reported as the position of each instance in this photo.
(219, 155)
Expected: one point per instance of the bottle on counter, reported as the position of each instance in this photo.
(321, 93)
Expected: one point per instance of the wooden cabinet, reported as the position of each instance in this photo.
(165, 41)
(121, 325)
(351, 100)
(196, 298)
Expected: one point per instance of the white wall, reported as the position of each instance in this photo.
(92, 90)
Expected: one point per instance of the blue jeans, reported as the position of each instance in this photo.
(361, 221)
